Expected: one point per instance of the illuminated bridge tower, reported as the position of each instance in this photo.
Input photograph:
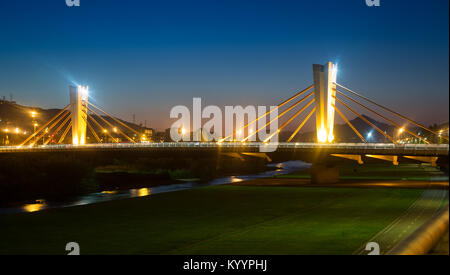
(78, 109)
(324, 92)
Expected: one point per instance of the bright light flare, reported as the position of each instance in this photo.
(84, 90)
(322, 136)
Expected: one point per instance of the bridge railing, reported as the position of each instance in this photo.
(438, 148)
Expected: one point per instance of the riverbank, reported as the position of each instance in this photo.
(350, 171)
(27, 178)
(213, 220)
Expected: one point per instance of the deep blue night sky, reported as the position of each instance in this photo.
(144, 57)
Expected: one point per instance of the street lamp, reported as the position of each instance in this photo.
(400, 132)
(104, 134)
(33, 116)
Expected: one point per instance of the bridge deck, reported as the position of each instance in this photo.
(336, 148)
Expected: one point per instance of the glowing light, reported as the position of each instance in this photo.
(322, 135)
(335, 71)
(401, 130)
(75, 140)
(115, 129)
(109, 192)
(183, 131)
(234, 179)
(330, 137)
(34, 206)
(105, 131)
(6, 130)
(142, 192)
(17, 130)
(84, 92)
(33, 114)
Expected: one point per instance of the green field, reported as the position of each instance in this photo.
(213, 220)
(405, 171)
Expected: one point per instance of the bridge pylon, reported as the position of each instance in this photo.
(78, 109)
(324, 94)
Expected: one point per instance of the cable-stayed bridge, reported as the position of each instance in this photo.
(321, 100)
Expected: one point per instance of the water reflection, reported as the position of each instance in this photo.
(235, 179)
(283, 168)
(142, 192)
(33, 207)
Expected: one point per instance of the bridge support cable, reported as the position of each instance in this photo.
(116, 120)
(391, 111)
(290, 119)
(49, 128)
(383, 117)
(279, 116)
(365, 120)
(349, 123)
(57, 129)
(92, 131)
(112, 126)
(302, 124)
(102, 128)
(63, 136)
(269, 112)
(89, 126)
(45, 125)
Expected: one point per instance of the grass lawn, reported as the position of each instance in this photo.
(375, 171)
(213, 220)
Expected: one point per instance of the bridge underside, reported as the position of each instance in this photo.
(325, 158)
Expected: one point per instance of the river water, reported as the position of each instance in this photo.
(282, 168)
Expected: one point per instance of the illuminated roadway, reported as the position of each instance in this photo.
(438, 150)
